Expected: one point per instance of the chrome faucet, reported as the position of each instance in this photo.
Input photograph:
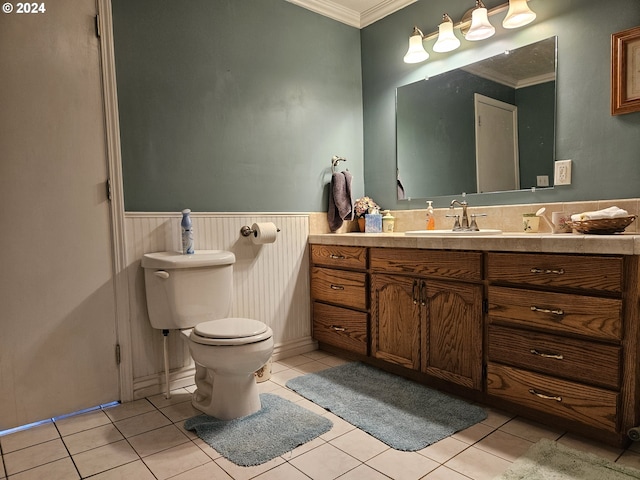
(465, 218)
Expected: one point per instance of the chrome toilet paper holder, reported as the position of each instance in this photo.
(246, 231)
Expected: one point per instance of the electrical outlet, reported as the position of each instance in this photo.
(542, 181)
(562, 172)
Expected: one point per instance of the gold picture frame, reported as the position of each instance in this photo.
(625, 71)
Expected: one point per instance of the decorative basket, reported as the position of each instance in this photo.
(603, 226)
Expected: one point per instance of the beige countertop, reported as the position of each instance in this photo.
(619, 244)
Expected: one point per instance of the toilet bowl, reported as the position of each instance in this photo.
(192, 294)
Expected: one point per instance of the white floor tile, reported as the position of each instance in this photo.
(444, 450)
(104, 458)
(176, 460)
(478, 464)
(286, 471)
(135, 470)
(208, 471)
(360, 445)
(34, 456)
(129, 409)
(62, 469)
(83, 421)
(88, 439)
(29, 437)
(142, 423)
(402, 465)
(325, 463)
(157, 440)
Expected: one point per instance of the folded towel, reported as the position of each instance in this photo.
(340, 202)
(611, 212)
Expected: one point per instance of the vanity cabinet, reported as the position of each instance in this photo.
(426, 312)
(340, 297)
(556, 335)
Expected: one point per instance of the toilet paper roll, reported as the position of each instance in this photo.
(264, 233)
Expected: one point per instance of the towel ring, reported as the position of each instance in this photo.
(335, 160)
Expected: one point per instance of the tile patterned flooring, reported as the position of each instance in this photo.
(145, 440)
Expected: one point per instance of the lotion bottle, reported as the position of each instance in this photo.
(431, 221)
(187, 232)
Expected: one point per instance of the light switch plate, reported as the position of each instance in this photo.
(562, 172)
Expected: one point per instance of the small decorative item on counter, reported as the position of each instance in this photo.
(559, 220)
(388, 222)
(187, 232)
(373, 223)
(431, 220)
(530, 222)
(363, 206)
(604, 222)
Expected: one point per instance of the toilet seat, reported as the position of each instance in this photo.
(230, 331)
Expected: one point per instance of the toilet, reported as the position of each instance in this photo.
(193, 294)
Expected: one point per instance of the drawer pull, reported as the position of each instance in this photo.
(545, 397)
(337, 287)
(557, 311)
(556, 356)
(423, 293)
(337, 328)
(337, 257)
(414, 292)
(559, 271)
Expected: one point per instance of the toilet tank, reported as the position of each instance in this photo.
(184, 290)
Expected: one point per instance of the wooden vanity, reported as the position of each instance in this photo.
(550, 335)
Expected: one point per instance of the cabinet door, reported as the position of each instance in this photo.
(396, 319)
(453, 334)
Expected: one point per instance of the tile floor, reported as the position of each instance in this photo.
(145, 440)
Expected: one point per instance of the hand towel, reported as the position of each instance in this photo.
(611, 212)
(340, 202)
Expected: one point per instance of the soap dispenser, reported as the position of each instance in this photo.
(431, 220)
(388, 222)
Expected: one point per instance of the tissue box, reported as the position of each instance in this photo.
(373, 223)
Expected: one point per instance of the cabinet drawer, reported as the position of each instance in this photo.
(592, 406)
(339, 287)
(340, 327)
(337, 256)
(578, 272)
(598, 318)
(430, 263)
(580, 360)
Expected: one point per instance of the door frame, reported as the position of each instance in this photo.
(112, 140)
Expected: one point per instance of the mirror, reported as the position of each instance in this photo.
(486, 127)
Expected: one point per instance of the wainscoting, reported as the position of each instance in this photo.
(270, 284)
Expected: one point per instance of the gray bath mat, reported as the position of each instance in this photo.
(403, 414)
(279, 427)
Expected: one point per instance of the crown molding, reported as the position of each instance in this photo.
(354, 18)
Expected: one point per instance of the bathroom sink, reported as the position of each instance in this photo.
(451, 233)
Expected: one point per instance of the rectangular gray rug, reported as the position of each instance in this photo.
(548, 460)
(403, 414)
(277, 428)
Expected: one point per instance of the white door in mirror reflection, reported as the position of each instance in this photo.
(496, 145)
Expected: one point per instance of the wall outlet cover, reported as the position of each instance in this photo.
(542, 181)
(562, 172)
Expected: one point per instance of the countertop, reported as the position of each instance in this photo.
(618, 244)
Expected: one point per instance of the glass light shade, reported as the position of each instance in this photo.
(480, 28)
(518, 15)
(447, 41)
(416, 52)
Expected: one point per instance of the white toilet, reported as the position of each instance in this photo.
(193, 293)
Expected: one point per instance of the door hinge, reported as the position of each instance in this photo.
(98, 26)
(117, 354)
(108, 187)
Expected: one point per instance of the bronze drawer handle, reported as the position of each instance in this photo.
(338, 329)
(557, 311)
(414, 292)
(337, 257)
(545, 397)
(555, 356)
(559, 271)
(337, 287)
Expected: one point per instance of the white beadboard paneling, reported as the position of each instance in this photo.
(270, 282)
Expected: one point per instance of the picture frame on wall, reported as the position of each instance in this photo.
(625, 71)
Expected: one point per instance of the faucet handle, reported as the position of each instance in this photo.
(456, 224)
(474, 226)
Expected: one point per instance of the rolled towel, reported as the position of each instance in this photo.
(611, 212)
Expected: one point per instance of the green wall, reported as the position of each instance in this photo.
(605, 149)
(235, 105)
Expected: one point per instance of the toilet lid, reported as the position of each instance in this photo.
(230, 328)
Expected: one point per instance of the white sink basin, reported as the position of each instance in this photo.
(451, 233)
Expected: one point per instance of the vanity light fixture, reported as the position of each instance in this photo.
(481, 27)
(447, 40)
(474, 26)
(416, 52)
(519, 14)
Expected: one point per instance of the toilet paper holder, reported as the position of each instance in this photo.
(246, 231)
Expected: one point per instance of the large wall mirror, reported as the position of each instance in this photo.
(486, 127)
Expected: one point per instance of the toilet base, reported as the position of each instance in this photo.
(225, 397)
